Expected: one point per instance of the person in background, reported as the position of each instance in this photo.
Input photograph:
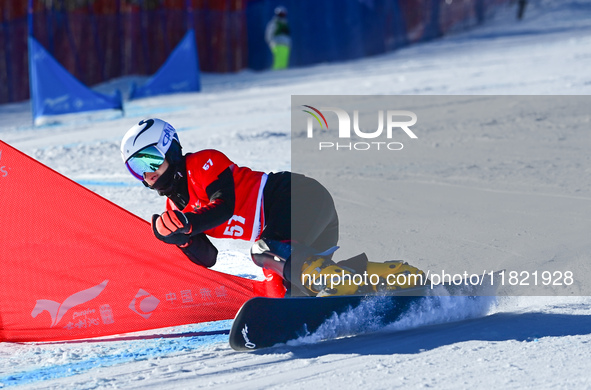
(278, 38)
(521, 4)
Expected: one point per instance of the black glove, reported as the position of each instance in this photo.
(200, 251)
(172, 227)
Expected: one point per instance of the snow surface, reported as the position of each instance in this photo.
(519, 342)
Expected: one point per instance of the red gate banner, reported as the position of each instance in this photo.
(75, 265)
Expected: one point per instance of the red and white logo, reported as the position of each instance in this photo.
(3, 171)
(144, 303)
(57, 310)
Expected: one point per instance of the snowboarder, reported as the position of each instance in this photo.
(278, 38)
(209, 195)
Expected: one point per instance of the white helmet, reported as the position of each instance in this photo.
(145, 146)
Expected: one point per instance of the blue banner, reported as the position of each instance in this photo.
(339, 30)
(327, 31)
(180, 72)
(54, 91)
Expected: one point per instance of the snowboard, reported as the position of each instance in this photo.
(264, 322)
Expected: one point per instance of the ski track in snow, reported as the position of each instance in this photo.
(517, 342)
(73, 358)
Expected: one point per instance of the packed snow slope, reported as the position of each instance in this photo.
(523, 342)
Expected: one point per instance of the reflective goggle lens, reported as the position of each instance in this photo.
(146, 160)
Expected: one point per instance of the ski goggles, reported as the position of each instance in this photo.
(148, 159)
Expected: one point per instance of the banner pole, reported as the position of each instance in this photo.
(190, 18)
(30, 17)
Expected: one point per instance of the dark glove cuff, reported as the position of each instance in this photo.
(176, 239)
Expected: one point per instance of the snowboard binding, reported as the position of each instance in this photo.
(316, 274)
(323, 277)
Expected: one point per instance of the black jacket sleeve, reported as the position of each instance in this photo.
(222, 199)
(201, 251)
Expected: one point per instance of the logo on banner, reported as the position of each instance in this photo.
(60, 100)
(144, 303)
(3, 169)
(57, 310)
(379, 139)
